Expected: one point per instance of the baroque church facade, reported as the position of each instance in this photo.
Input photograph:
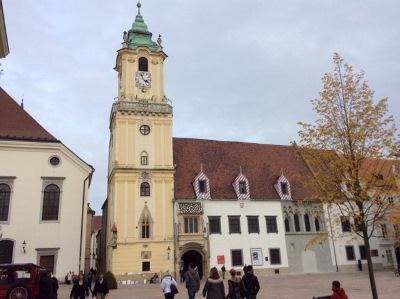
(172, 201)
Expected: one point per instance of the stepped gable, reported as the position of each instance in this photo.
(261, 164)
(17, 124)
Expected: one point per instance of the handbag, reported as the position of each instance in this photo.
(174, 289)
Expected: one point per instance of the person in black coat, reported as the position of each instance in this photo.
(80, 290)
(251, 283)
(46, 287)
(100, 287)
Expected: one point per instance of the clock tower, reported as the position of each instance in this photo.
(139, 209)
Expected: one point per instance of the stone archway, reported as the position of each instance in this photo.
(195, 257)
(397, 254)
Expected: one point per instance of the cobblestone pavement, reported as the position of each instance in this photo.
(303, 286)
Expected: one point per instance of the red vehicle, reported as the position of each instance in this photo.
(20, 281)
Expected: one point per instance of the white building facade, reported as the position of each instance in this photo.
(43, 194)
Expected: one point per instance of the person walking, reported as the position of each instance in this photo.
(165, 285)
(100, 289)
(214, 286)
(46, 287)
(223, 270)
(251, 283)
(192, 280)
(235, 286)
(80, 290)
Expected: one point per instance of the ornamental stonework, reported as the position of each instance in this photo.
(190, 208)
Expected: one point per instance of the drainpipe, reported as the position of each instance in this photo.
(82, 217)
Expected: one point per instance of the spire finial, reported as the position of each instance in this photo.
(281, 171)
(22, 102)
(201, 167)
(139, 6)
(240, 167)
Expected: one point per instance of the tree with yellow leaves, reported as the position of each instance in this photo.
(352, 151)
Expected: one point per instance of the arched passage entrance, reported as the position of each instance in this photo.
(397, 252)
(195, 257)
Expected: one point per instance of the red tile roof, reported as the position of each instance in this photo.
(96, 222)
(261, 164)
(16, 123)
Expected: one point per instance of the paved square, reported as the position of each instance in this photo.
(303, 286)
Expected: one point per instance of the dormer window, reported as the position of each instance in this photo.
(143, 64)
(201, 186)
(282, 186)
(241, 187)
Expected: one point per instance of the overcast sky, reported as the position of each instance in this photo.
(237, 70)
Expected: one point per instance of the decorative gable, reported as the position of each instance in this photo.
(282, 186)
(201, 186)
(241, 186)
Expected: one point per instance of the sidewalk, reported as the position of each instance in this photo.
(303, 286)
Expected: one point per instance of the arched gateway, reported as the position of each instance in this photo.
(195, 257)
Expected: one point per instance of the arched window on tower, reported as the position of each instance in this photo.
(143, 64)
(296, 223)
(144, 159)
(287, 225)
(317, 226)
(145, 228)
(145, 189)
(307, 223)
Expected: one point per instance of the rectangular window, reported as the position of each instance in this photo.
(143, 160)
(191, 226)
(5, 192)
(396, 230)
(214, 224)
(242, 188)
(271, 224)
(384, 230)
(202, 186)
(363, 252)
(389, 257)
(145, 266)
(234, 224)
(350, 253)
(284, 188)
(237, 257)
(346, 227)
(252, 223)
(275, 256)
(357, 223)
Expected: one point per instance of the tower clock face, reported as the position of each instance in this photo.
(142, 79)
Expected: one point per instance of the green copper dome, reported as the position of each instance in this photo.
(139, 35)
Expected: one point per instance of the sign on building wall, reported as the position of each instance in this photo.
(256, 256)
(221, 259)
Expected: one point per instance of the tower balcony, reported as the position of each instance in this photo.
(144, 107)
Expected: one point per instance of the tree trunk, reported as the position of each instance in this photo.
(371, 274)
